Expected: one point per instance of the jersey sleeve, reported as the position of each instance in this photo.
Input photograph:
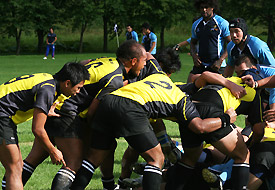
(143, 39)
(153, 38)
(265, 56)
(135, 36)
(225, 29)
(193, 32)
(45, 97)
(229, 47)
(109, 85)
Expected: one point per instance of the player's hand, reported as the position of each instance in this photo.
(176, 47)
(125, 82)
(248, 79)
(216, 65)
(51, 111)
(57, 157)
(233, 115)
(270, 125)
(269, 115)
(236, 90)
(196, 60)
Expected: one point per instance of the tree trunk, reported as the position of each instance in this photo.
(40, 38)
(162, 37)
(18, 37)
(105, 34)
(83, 28)
(270, 33)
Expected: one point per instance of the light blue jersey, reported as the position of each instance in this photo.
(268, 71)
(254, 48)
(147, 40)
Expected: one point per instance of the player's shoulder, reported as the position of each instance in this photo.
(230, 45)
(197, 21)
(256, 42)
(221, 20)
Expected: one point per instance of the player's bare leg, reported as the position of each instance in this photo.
(11, 158)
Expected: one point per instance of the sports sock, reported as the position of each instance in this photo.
(4, 183)
(151, 178)
(108, 182)
(63, 179)
(83, 175)
(240, 176)
(28, 169)
(178, 176)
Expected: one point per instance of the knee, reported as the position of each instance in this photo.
(242, 156)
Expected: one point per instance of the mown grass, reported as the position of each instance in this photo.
(14, 66)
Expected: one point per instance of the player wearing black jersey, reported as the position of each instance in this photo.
(107, 74)
(27, 96)
(156, 96)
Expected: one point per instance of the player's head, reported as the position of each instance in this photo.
(129, 28)
(71, 78)
(238, 30)
(146, 28)
(244, 65)
(132, 55)
(206, 7)
(51, 29)
(169, 60)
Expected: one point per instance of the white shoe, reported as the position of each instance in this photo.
(53, 58)
(44, 57)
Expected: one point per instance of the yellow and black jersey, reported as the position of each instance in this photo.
(105, 77)
(250, 104)
(152, 66)
(188, 88)
(160, 97)
(20, 95)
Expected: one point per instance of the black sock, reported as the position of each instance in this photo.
(83, 176)
(63, 179)
(178, 176)
(28, 169)
(108, 182)
(240, 176)
(4, 183)
(151, 178)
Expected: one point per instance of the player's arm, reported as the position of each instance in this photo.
(217, 64)
(268, 82)
(152, 47)
(193, 52)
(208, 125)
(214, 78)
(54, 40)
(39, 120)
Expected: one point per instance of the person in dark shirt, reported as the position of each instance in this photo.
(51, 39)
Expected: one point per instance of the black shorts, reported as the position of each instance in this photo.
(206, 110)
(201, 69)
(120, 117)
(263, 154)
(65, 126)
(141, 142)
(8, 131)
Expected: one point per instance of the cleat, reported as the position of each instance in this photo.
(44, 57)
(212, 179)
(133, 183)
(53, 58)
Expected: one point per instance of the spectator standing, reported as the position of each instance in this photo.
(50, 41)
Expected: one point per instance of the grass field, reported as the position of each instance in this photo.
(14, 66)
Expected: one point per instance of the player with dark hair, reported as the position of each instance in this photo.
(149, 40)
(51, 39)
(210, 32)
(243, 43)
(32, 96)
(66, 131)
(131, 34)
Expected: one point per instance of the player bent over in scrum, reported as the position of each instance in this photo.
(27, 96)
(128, 109)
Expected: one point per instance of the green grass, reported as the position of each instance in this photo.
(14, 66)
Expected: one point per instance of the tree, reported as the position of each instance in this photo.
(15, 18)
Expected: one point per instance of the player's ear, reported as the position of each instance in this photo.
(134, 61)
(68, 83)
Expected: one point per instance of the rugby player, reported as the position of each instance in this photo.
(32, 96)
(68, 131)
(156, 96)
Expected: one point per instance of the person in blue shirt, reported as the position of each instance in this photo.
(51, 39)
(149, 40)
(243, 43)
(131, 34)
(210, 31)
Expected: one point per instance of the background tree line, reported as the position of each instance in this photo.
(37, 16)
